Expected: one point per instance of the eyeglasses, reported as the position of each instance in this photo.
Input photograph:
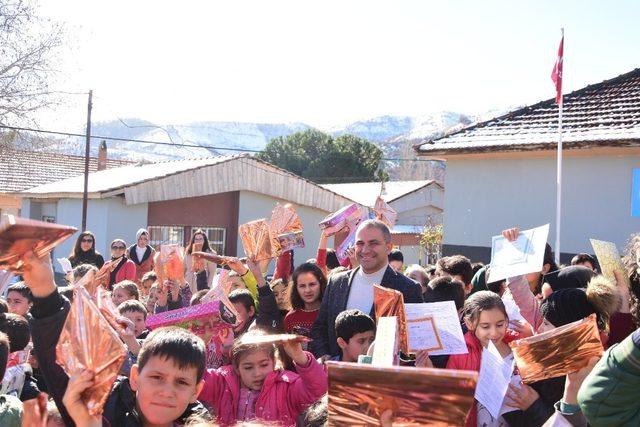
(118, 248)
(87, 240)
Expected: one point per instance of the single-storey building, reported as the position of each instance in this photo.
(174, 198)
(417, 203)
(22, 169)
(502, 172)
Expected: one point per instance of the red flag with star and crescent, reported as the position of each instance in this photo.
(556, 74)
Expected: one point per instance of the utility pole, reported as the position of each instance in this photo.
(86, 163)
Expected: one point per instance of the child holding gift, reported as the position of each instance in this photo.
(253, 388)
(164, 383)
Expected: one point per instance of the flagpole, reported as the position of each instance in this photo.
(559, 174)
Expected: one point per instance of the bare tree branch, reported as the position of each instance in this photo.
(29, 45)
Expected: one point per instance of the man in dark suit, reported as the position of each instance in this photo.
(354, 288)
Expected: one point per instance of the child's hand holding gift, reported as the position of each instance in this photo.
(72, 400)
(295, 352)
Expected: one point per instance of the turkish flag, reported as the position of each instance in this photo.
(556, 74)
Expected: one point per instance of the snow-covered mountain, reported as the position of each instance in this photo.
(395, 135)
(389, 128)
(198, 139)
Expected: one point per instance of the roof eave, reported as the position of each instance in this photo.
(506, 148)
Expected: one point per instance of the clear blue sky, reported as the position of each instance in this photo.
(328, 62)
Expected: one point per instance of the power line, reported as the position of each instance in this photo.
(173, 144)
(112, 138)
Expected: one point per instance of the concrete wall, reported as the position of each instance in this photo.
(255, 206)
(106, 218)
(414, 208)
(485, 196)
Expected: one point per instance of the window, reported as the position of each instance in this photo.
(165, 234)
(216, 236)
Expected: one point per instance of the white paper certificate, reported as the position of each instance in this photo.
(494, 379)
(442, 334)
(524, 255)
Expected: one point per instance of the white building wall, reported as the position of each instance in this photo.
(255, 206)
(124, 221)
(486, 196)
(107, 219)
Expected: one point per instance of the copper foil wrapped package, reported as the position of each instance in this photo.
(360, 393)
(276, 339)
(93, 280)
(197, 264)
(108, 308)
(169, 263)
(389, 302)
(19, 236)
(89, 342)
(385, 213)
(258, 242)
(284, 219)
(286, 226)
(557, 352)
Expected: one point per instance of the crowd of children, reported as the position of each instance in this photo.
(229, 377)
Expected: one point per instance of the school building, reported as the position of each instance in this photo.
(173, 198)
(502, 172)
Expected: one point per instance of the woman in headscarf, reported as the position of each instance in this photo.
(141, 254)
(84, 251)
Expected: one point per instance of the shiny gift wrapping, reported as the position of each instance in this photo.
(19, 236)
(557, 352)
(286, 226)
(94, 280)
(88, 341)
(359, 394)
(284, 219)
(258, 242)
(201, 319)
(169, 263)
(197, 264)
(385, 213)
(336, 221)
(387, 303)
(108, 308)
(220, 287)
(276, 339)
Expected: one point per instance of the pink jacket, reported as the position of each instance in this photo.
(526, 301)
(284, 396)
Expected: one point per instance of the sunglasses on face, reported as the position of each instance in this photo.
(87, 240)
(118, 248)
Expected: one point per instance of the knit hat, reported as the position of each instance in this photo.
(575, 276)
(140, 233)
(565, 306)
(572, 304)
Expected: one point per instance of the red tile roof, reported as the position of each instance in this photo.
(603, 114)
(23, 169)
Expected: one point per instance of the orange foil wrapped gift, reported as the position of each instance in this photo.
(169, 263)
(385, 213)
(284, 219)
(360, 393)
(93, 280)
(19, 236)
(557, 352)
(88, 341)
(258, 242)
(387, 303)
(197, 264)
